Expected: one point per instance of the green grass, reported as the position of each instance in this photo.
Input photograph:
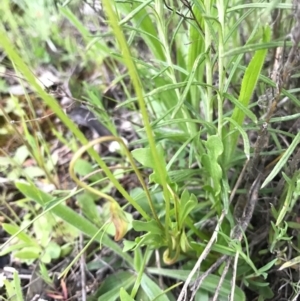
(212, 209)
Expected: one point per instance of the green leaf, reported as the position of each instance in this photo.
(18, 288)
(155, 177)
(138, 259)
(267, 266)
(128, 245)
(89, 208)
(71, 217)
(248, 85)
(282, 160)
(185, 208)
(155, 240)
(151, 226)
(5, 162)
(53, 250)
(144, 156)
(243, 108)
(28, 253)
(214, 147)
(124, 296)
(110, 288)
(184, 242)
(45, 258)
(34, 172)
(82, 167)
(183, 174)
(143, 22)
(262, 288)
(13, 288)
(210, 283)
(244, 136)
(43, 229)
(152, 290)
(12, 230)
(21, 154)
(11, 248)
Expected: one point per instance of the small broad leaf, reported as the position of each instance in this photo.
(156, 178)
(34, 172)
(128, 245)
(150, 226)
(45, 258)
(214, 148)
(43, 229)
(124, 296)
(82, 167)
(28, 253)
(53, 250)
(144, 156)
(186, 208)
(12, 230)
(185, 196)
(184, 243)
(155, 240)
(21, 154)
(89, 208)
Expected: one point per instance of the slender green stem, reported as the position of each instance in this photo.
(221, 17)
(209, 71)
